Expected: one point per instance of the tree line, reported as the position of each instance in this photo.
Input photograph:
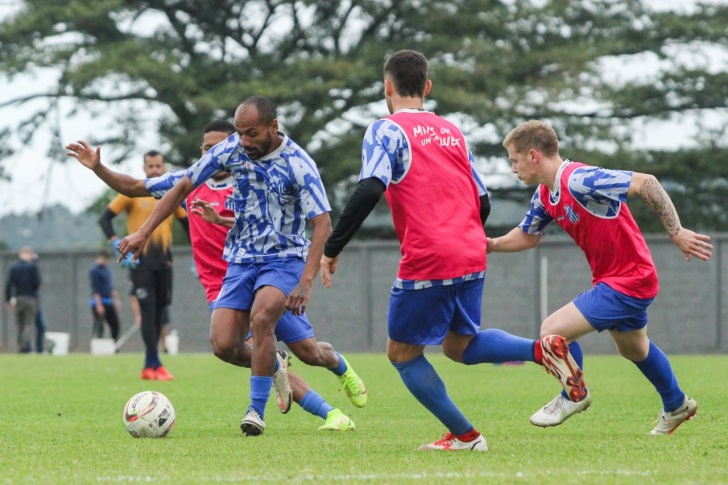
(494, 63)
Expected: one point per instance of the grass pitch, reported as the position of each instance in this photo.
(61, 423)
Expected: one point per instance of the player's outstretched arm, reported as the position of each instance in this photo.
(654, 195)
(298, 299)
(167, 205)
(514, 241)
(208, 213)
(91, 159)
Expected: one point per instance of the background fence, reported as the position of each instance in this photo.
(690, 315)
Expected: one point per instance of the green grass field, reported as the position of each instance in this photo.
(61, 423)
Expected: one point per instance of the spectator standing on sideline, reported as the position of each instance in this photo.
(21, 294)
(104, 300)
(40, 321)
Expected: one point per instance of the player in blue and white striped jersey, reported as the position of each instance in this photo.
(277, 187)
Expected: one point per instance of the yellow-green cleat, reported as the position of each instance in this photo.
(338, 421)
(353, 386)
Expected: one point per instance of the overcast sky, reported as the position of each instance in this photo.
(36, 179)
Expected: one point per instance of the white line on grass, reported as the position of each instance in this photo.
(368, 476)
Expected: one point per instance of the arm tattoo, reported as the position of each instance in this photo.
(658, 200)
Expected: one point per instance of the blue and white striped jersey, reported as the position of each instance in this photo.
(599, 190)
(272, 198)
(158, 186)
(386, 155)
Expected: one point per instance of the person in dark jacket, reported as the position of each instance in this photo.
(104, 300)
(21, 295)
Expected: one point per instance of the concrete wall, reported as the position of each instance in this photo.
(690, 315)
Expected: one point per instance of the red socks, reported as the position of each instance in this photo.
(469, 436)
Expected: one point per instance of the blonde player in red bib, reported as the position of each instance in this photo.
(589, 203)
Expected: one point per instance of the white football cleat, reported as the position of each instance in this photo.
(284, 393)
(557, 361)
(450, 443)
(252, 424)
(559, 410)
(668, 422)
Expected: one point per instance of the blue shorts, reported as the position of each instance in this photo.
(608, 309)
(244, 279)
(423, 317)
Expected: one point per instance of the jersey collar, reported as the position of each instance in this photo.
(412, 110)
(555, 195)
(220, 185)
(277, 151)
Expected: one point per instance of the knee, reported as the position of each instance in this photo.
(398, 355)
(393, 356)
(636, 353)
(548, 328)
(224, 350)
(262, 324)
(452, 352)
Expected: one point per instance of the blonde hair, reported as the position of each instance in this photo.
(535, 135)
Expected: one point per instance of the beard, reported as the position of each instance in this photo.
(255, 153)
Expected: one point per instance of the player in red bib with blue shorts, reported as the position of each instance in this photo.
(439, 205)
(589, 203)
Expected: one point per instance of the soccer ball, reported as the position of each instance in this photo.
(149, 414)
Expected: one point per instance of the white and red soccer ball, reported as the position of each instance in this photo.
(149, 414)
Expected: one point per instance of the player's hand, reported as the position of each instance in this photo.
(131, 245)
(82, 152)
(299, 297)
(489, 245)
(693, 244)
(10, 305)
(117, 305)
(128, 261)
(100, 310)
(328, 267)
(205, 210)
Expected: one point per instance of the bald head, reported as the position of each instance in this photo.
(255, 122)
(258, 106)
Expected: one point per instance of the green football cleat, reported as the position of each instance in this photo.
(338, 421)
(353, 386)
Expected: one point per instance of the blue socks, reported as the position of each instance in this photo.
(497, 346)
(259, 392)
(658, 371)
(578, 355)
(339, 370)
(152, 360)
(423, 382)
(315, 404)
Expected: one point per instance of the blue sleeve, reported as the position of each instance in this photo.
(311, 191)
(213, 161)
(381, 152)
(476, 173)
(537, 218)
(95, 277)
(599, 190)
(158, 186)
